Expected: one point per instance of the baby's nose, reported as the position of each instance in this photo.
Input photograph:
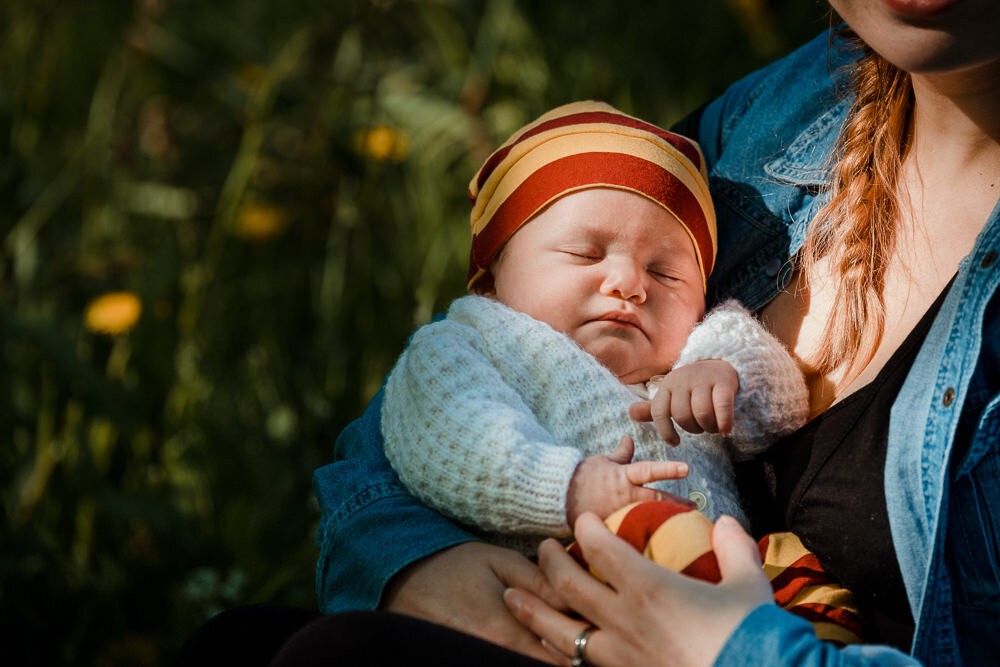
(625, 280)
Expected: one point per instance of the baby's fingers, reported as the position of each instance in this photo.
(624, 452)
(641, 411)
(703, 410)
(644, 472)
(660, 414)
(724, 399)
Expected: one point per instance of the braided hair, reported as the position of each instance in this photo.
(856, 228)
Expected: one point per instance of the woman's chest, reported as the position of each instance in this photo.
(916, 275)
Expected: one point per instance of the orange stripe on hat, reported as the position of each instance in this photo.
(587, 145)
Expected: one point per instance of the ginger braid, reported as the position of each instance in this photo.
(857, 226)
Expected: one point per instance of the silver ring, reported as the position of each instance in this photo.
(580, 644)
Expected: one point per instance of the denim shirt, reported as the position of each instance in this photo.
(768, 142)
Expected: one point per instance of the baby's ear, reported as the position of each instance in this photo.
(489, 292)
(485, 286)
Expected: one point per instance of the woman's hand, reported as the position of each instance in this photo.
(647, 615)
(462, 587)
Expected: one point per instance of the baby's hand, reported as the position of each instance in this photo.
(699, 397)
(603, 484)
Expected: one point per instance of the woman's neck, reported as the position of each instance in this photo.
(949, 180)
(956, 122)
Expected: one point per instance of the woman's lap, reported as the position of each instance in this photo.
(289, 637)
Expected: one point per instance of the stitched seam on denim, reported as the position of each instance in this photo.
(936, 588)
(329, 527)
(956, 371)
(749, 100)
(799, 164)
(745, 206)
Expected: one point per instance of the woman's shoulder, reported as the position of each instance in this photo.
(764, 110)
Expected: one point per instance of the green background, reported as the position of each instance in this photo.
(282, 186)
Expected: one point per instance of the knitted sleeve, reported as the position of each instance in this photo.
(461, 438)
(772, 400)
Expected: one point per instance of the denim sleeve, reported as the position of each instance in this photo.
(371, 528)
(771, 636)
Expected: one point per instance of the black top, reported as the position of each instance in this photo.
(825, 483)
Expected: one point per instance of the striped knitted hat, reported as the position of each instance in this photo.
(680, 538)
(668, 533)
(587, 145)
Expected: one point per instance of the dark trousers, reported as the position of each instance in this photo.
(289, 637)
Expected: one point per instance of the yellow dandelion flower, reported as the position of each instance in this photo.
(260, 222)
(113, 312)
(381, 143)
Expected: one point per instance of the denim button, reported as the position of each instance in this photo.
(699, 499)
(949, 396)
(989, 259)
(773, 267)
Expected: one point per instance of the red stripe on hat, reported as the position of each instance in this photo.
(806, 571)
(645, 518)
(592, 170)
(704, 567)
(682, 144)
(797, 580)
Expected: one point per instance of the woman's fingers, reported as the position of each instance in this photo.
(646, 613)
(525, 575)
(606, 553)
(739, 559)
(559, 631)
(583, 592)
(437, 588)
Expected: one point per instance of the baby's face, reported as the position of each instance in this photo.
(612, 270)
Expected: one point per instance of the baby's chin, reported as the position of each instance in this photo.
(624, 362)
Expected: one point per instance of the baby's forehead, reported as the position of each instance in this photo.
(612, 214)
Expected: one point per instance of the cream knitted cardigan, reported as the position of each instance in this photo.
(488, 412)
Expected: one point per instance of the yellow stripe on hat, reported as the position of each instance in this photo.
(680, 540)
(544, 161)
(526, 158)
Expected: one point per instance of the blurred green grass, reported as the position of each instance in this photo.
(280, 187)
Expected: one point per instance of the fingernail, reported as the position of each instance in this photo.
(727, 521)
(682, 469)
(512, 599)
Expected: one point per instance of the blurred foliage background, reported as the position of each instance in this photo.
(219, 221)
